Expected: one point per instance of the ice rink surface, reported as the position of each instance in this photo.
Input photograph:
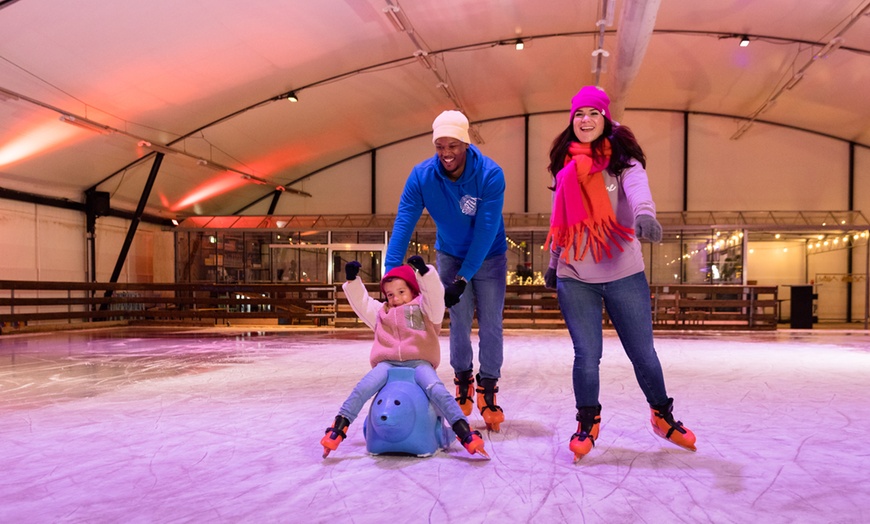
(223, 425)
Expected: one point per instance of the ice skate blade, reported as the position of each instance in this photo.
(690, 447)
(493, 426)
(326, 452)
(483, 453)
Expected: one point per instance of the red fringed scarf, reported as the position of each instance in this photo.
(582, 205)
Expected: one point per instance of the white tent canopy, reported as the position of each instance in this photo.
(210, 81)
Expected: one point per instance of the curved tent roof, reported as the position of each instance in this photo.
(209, 80)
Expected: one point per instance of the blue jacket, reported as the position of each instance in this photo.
(467, 213)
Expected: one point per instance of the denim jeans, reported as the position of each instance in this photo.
(424, 375)
(485, 293)
(627, 301)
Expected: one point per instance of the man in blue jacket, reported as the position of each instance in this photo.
(463, 192)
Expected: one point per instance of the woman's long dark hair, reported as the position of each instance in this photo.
(623, 146)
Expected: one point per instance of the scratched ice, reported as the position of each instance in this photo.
(223, 425)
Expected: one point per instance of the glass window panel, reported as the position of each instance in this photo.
(258, 257)
(313, 265)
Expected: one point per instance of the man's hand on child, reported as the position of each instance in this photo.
(351, 269)
(453, 292)
(419, 264)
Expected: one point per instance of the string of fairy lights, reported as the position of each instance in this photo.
(820, 243)
(825, 243)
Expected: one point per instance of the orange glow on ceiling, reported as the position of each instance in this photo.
(281, 159)
(215, 186)
(38, 140)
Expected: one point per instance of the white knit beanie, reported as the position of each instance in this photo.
(451, 124)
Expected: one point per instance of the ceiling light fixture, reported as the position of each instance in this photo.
(84, 123)
(829, 48)
(599, 61)
(423, 58)
(158, 148)
(794, 81)
(291, 96)
(520, 44)
(254, 179)
(205, 163)
(393, 13)
(263, 182)
(744, 41)
(599, 56)
(445, 87)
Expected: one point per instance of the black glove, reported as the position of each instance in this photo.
(417, 263)
(351, 269)
(453, 292)
(647, 227)
(550, 278)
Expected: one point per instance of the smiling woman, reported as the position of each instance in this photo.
(603, 206)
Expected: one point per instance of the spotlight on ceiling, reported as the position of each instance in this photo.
(291, 96)
(84, 123)
(520, 45)
(744, 41)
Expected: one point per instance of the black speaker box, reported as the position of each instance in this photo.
(97, 203)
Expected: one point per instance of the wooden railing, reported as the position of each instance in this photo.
(714, 307)
(26, 302)
(34, 304)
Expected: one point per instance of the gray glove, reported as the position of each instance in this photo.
(648, 228)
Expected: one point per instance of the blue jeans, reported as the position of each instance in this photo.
(485, 293)
(627, 301)
(424, 375)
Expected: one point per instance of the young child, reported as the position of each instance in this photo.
(406, 334)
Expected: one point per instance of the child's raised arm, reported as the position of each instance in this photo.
(365, 307)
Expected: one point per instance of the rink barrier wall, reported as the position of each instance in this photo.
(35, 305)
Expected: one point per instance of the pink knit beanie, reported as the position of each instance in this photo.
(591, 96)
(407, 274)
